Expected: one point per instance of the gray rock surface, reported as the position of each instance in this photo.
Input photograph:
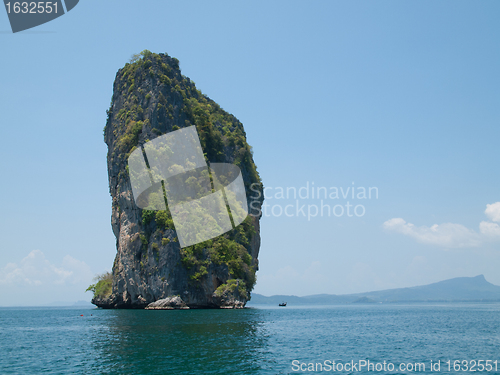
(169, 303)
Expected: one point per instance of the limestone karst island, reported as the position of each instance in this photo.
(151, 270)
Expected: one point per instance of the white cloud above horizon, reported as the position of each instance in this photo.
(493, 211)
(37, 281)
(450, 235)
(489, 229)
(36, 270)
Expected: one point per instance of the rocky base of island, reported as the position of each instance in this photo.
(169, 303)
(220, 301)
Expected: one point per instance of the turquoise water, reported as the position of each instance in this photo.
(260, 340)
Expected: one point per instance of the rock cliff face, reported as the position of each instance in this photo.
(151, 98)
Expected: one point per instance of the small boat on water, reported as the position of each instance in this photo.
(283, 304)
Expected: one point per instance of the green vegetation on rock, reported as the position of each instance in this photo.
(230, 288)
(102, 287)
(231, 249)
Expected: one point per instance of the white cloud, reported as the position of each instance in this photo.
(450, 235)
(445, 235)
(493, 211)
(36, 270)
(489, 229)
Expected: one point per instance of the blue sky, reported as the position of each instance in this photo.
(398, 95)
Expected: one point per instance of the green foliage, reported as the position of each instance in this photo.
(165, 80)
(103, 286)
(230, 287)
(144, 241)
(231, 249)
(147, 216)
(202, 271)
(166, 68)
(188, 257)
(131, 137)
(164, 219)
(137, 56)
(156, 251)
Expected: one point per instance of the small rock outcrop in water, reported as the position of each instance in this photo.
(169, 303)
(151, 98)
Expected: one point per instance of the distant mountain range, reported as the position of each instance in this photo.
(460, 289)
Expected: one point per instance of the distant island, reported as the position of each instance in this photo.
(460, 289)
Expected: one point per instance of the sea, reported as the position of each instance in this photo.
(447, 338)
